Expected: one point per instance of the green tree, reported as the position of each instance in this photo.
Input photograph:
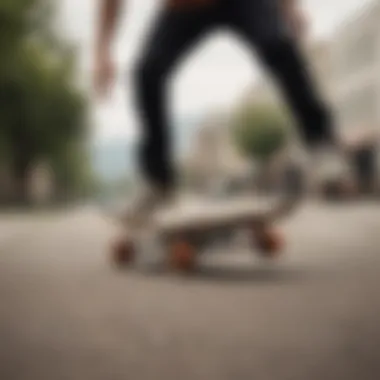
(260, 130)
(21, 20)
(43, 114)
(41, 111)
(74, 174)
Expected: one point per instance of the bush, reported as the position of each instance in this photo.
(260, 131)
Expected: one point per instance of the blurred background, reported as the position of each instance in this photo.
(65, 313)
(59, 145)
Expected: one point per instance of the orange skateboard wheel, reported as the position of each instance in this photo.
(269, 241)
(182, 255)
(122, 252)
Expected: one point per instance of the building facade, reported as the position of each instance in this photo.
(355, 79)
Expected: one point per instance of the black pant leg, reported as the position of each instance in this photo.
(263, 26)
(173, 34)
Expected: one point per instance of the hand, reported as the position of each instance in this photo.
(297, 21)
(104, 74)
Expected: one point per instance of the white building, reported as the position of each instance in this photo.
(355, 77)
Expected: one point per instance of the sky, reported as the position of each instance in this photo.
(216, 74)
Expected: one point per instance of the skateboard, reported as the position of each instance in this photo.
(185, 231)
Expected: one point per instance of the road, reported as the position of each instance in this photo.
(66, 313)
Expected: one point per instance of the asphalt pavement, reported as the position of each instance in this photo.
(67, 313)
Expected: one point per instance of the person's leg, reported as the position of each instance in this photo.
(262, 25)
(174, 33)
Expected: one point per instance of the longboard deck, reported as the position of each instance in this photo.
(186, 227)
(203, 215)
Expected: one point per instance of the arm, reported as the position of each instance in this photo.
(298, 23)
(288, 5)
(104, 68)
(109, 10)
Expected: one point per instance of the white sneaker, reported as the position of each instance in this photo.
(142, 209)
(328, 165)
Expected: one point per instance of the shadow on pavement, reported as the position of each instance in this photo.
(257, 275)
(227, 274)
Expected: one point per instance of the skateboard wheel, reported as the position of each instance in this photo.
(269, 242)
(123, 252)
(182, 256)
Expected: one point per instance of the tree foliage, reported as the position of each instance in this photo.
(42, 111)
(260, 130)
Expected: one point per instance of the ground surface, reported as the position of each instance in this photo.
(65, 313)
